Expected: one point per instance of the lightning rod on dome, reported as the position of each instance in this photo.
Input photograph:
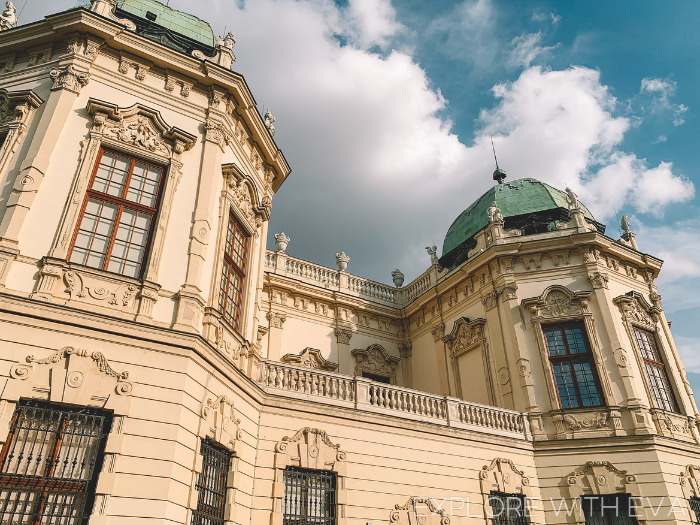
(499, 174)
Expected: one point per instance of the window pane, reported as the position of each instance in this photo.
(230, 294)
(143, 187)
(111, 174)
(585, 377)
(574, 338)
(507, 509)
(129, 244)
(609, 509)
(555, 340)
(94, 233)
(309, 497)
(565, 384)
(656, 371)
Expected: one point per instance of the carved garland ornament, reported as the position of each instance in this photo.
(410, 510)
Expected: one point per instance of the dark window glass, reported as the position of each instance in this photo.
(610, 509)
(118, 214)
(507, 509)
(656, 371)
(211, 485)
(235, 254)
(573, 366)
(309, 497)
(49, 464)
(695, 507)
(377, 378)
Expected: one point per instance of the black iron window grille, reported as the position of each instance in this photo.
(695, 507)
(656, 371)
(573, 366)
(507, 509)
(211, 485)
(309, 497)
(609, 509)
(49, 464)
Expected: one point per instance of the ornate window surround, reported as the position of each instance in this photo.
(558, 304)
(219, 424)
(312, 449)
(16, 108)
(141, 132)
(637, 312)
(362, 362)
(690, 483)
(78, 377)
(602, 477)
(467, 336)
(310, 358)
(240, 197)
(501, 475)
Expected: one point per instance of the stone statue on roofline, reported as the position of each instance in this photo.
(8, 18)
(269, 122)
(398, 277)
(572, 199)
(494, 213)
(228, 40)
(433, 254)
(625, 224)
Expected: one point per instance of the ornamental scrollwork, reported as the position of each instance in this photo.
(558, 302)
(69, 78)
(98, 357)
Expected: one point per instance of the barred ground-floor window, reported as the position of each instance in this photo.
(49, 464)
(309, 497)
(507, 509)
(695, 508)
(212, 484)
(610, 509)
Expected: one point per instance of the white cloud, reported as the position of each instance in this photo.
(661, 90)
(544, 17)
(370, 23)
(662, 138)
(526, 48)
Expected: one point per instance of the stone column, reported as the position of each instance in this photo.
(67, 81)
(274, 336)
(343, 335)
(190, 303)
(406, 351)
(446, 386)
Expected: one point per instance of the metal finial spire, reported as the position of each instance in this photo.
(499, 174)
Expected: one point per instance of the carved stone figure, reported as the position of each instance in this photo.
(281, 242)
(8, 19)
(228, 40)
(572, 199)
(433, 254)
(494, 213)
(269, 122)
(397, 277)
(625, 224)
(342, 261)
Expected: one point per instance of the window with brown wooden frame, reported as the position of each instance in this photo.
(233, 272)
(118, 214)
(573, 365)
(656, 370)
(49, 464)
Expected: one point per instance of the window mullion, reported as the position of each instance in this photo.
(112, 237)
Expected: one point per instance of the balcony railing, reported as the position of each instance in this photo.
(370, 396)
(282, 264)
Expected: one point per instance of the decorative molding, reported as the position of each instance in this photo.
(602, 477)
(585, 422)
(219, 422)
(508, 292)
(375, 360)
(598, 280)
(438, 331)
(310, 358)
(97, 357)
(637, 311)
(428, 514)
(690, 481)
(557, 302)
(69, 78)
(490, 300)
(343, 335)
(276, 319)
(501, 475)
(406, 350)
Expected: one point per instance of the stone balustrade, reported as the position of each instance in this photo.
(370, 396)
(282, 264)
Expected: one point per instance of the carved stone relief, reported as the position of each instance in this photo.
(375, 360)
(419, 510)
(219, 422)
(310, 358)
(501, 475)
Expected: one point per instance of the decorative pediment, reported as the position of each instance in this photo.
(465, 336)
(636, 310)
(558, 302)
(219, 422)
(423, 509)
(601, 477)
(71, 375)
(375, 360)
(310, 358)
(15, 106)
(138, 127)
(243, 192)
(310, 448)
(501, 475)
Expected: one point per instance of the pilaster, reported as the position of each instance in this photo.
(274, 336)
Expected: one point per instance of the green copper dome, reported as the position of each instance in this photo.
(521, 203)
(168, 26)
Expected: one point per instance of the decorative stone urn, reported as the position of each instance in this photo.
(342, 261)
(281, 242)
(397, 277)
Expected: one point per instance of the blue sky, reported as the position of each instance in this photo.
(384, 110)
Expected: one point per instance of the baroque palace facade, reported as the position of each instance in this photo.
(159, 365)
